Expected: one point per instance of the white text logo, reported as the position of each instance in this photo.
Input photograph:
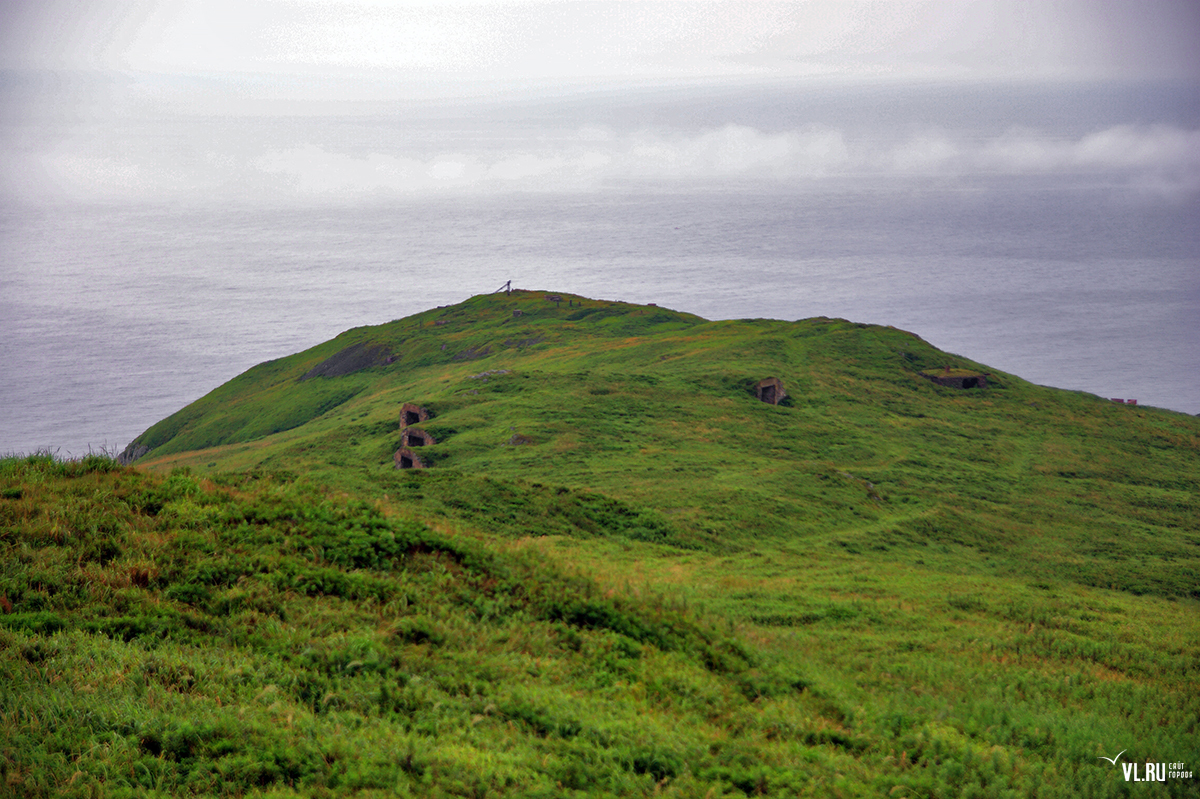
(1153, 772)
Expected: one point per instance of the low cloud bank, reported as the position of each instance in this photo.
(1159, 159)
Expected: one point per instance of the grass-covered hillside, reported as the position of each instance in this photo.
(239, 635)
(620, 573)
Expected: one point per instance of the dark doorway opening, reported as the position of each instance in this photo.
(770, 390)
(407, 459)
(412, 437)
(411, 413)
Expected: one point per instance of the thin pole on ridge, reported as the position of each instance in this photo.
(506, 288)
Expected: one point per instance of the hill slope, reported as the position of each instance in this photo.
(621, 573)
(197, 638)
(656, 410)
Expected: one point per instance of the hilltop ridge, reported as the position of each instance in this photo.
(656, 409)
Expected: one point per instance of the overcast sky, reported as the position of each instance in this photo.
(290, 59)
(443, 44)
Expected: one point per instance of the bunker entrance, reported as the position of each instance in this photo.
(411, 413)
(950, 379)
(406, 459)
(770, 390)
(412, 437)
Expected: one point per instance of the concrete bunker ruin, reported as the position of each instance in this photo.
(411, 414)
(770, 391)
(958, 378)
(412, 437)
(405, 458)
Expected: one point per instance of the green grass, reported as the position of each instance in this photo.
(622, 574)
(223, 637)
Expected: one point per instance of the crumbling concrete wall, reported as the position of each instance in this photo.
(958, 380)
(411, 414)
(770, 391)
(405, 458)
(412, 437)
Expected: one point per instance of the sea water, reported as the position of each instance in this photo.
(119, 308)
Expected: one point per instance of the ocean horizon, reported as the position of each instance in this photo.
(1046, 232)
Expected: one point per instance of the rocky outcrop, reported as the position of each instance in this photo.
(354, 358)
(473, 353)
(131, 453)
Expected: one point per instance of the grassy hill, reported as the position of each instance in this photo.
(621, 573)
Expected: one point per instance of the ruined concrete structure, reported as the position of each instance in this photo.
(411, 414)
(958, 379)
(770, 390)
(405, 458)
(412, 437)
